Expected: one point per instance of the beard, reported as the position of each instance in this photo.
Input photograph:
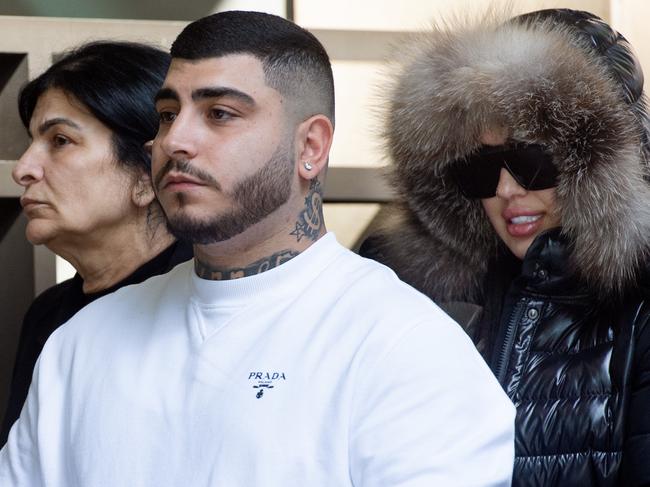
(253, 199)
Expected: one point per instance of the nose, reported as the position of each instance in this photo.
(177, 139)
(508, 187)
(29, 168)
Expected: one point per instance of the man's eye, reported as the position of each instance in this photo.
(167, 117)
(219, 114)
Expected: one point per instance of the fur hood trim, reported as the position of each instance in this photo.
(544, 86)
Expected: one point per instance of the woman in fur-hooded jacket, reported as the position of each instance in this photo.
(519, 164)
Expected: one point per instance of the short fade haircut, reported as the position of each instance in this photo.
(116, 82)
(295, 63)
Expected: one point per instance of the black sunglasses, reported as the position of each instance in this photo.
(530, 165)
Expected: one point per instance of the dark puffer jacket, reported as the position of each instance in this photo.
(566, 331)
(576, 367)
(573, 366)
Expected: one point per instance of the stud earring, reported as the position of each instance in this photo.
(308, 165)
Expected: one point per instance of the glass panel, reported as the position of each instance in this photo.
(13, 75)
(356, 141)
(349, 221)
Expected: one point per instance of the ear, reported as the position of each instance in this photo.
(148, 145)
(142, 193)
(314, 142)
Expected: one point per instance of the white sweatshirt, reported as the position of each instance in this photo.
(325, 371)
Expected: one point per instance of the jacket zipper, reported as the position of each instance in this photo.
(504, 354)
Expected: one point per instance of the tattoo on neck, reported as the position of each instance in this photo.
(206, 271)
(310, 220)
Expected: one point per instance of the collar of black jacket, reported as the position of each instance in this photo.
(547, 267)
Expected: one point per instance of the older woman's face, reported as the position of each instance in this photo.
(74, 189)
(518, 215)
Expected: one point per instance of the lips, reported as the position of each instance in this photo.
(35, 209)
(177, 182)
(522, 222)
(29, 203)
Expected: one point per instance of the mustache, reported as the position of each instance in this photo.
(184, 167)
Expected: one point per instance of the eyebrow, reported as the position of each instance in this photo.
(222, 92)
(45, 126)
(205, 93)
(166, 94)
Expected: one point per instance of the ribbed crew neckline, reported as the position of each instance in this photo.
(294, 273)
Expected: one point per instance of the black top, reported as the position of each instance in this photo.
(576, 366)
(57, 305)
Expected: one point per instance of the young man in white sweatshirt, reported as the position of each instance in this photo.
(277, 357)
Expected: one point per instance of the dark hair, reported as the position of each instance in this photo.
(116, 82)
(612, 49)
(295, 63)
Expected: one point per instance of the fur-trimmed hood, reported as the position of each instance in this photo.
(542, 84)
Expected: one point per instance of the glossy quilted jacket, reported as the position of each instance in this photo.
(565, 360)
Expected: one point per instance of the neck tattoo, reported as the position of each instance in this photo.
(206, 271)
(310, 220)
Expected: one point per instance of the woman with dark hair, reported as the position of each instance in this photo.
(521, 165)
(87, 188)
